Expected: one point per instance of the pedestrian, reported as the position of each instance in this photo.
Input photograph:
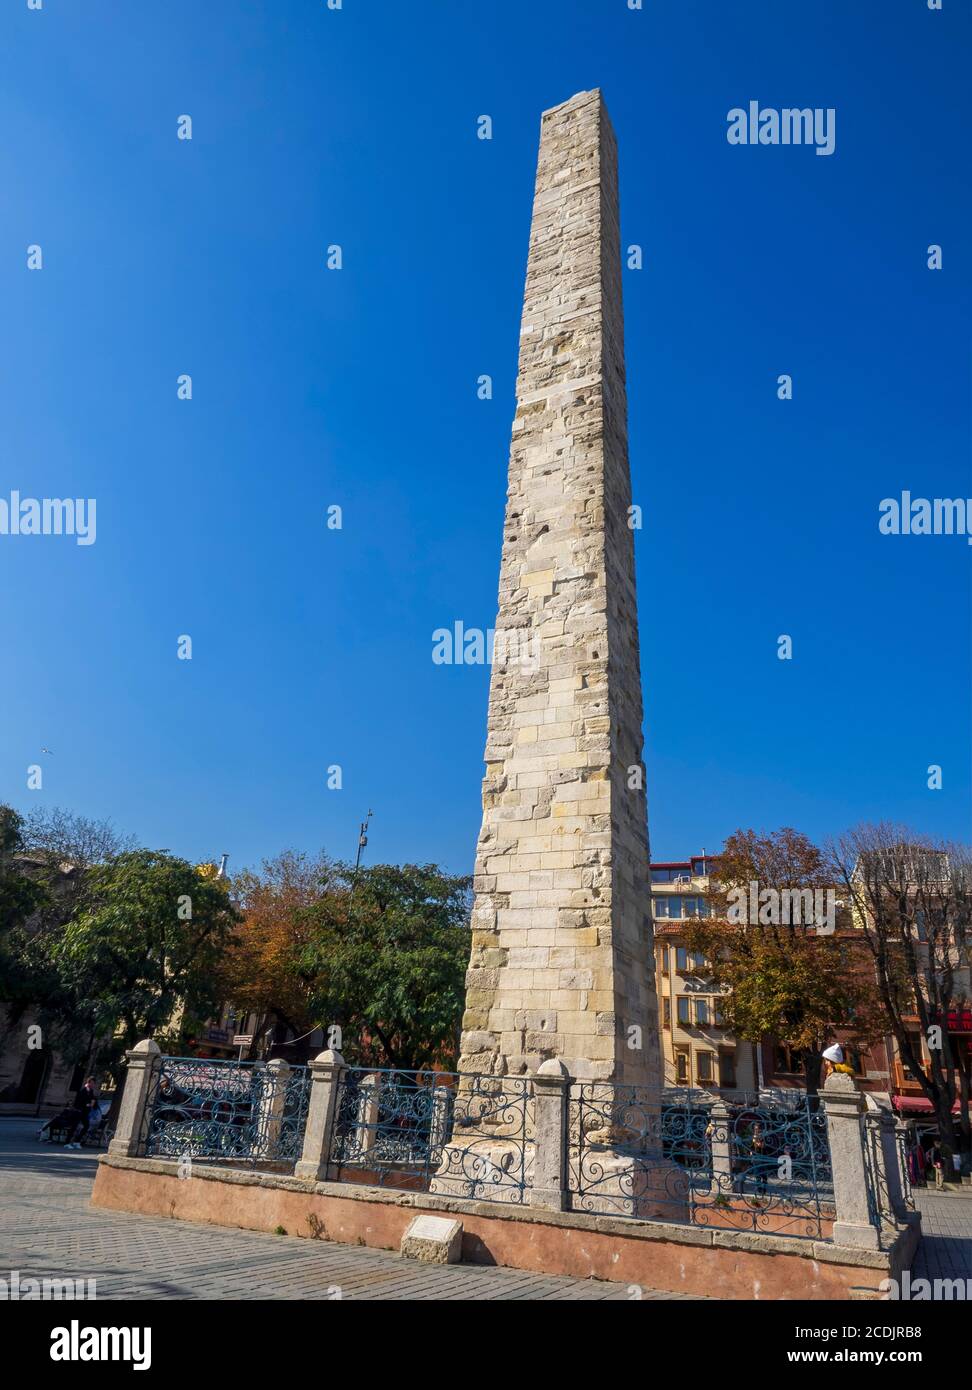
(85, 1101)
(834, 1057)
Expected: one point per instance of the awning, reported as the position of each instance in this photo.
(917, 1105)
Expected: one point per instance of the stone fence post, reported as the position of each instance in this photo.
(368, 1113)
(144, 1061)
(439, 1128)
(273, 1096)
(844, 1107)
(720, 1144)
(327, 1071)
(551, 1088)
(891, 1186)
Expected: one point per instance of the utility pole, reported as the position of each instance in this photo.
(362, 839)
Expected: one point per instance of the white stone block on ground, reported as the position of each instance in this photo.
(435, 1240)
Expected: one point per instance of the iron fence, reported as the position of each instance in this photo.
(737, 1164)
(904, 1169)
(226, 1111)
(875, 1177)
(446, 1132)
(734, 1162)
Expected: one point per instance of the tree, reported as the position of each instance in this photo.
(73, 839)
(144, 950)
(21, 899)
(263, 973)
(912, 902)
(784, 978)
(387, 962)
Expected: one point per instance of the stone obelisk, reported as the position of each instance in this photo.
(562, 957)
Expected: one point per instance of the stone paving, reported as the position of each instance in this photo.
(946, 1248)
(47, 1227)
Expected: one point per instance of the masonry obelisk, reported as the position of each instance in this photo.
(562, 957)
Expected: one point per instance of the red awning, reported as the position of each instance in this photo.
(917, 1105)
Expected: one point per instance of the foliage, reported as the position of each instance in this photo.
(146, 945)
(784, 980)
(911, 898)
(387, 962)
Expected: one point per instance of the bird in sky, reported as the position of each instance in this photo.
(48, 750)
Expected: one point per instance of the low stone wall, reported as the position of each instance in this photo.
(658, 1255)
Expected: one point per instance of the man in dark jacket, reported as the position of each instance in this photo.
(85, 1102)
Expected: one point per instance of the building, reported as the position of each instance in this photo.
(697, 1049)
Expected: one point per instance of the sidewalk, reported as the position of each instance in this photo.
(48, 1229)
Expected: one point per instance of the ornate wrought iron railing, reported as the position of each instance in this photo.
(460, 1135)
(734, 1164)
(875, 1177)
(904, 1169)
(228, 1111)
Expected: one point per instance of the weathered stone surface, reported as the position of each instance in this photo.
(562, 866)
(434, 1240)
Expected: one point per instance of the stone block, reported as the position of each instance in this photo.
(435, 1240)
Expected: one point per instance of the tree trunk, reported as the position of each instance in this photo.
(813, 1066)
(946, 1140)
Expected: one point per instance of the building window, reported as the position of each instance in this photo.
(788, 1060)
(727, 1070)
(718, 1013)
(663, 960)
(703, 1068)
(666, 1013)
(702, 1012)
(682, 1068)
(684, 1016)
(673, 873)
(695, 907)
(688, 962)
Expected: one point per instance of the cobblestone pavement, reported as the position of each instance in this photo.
(48, 1228)
(946, 1222)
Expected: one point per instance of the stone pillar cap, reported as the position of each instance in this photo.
(840, 1081)
(328, 1059)
(553, 1066)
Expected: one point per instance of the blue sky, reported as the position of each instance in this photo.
(357, 387)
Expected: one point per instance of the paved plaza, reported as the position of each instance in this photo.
(48, 1228)
(946, 1250)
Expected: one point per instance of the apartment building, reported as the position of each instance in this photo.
(697, 1048)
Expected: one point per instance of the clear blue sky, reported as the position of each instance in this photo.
(313, 387)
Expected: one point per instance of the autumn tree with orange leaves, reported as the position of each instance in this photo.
(264, 974)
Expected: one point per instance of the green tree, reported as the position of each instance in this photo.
(22, 898)
(142, 953)
(388, 961)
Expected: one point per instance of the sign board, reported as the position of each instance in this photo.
(242, 1039)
